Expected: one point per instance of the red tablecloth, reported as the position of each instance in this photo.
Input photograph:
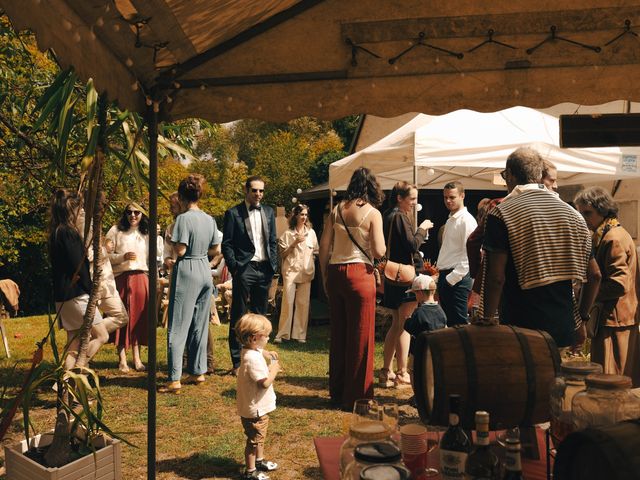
(328, 449)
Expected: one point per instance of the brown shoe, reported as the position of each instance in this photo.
(171, 387)
(195, 379)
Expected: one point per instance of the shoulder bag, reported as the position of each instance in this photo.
(397, 274)
(376, 272)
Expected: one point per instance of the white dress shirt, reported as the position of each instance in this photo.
(255, 219)
(453, 253)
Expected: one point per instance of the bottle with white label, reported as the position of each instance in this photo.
(454, 445)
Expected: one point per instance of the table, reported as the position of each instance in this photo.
(328, 449)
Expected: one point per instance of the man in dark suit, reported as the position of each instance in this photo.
(249, 247)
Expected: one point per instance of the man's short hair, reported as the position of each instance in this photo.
(253, 178)
(455, 184)
(525, 164)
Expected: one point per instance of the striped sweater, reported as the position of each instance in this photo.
(548, 239)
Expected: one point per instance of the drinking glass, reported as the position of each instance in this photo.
(365, 409)
(389, 415)
(433, 442)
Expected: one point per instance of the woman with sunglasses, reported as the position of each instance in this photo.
(298, 247)
(129, 261)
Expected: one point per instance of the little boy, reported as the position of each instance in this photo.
(255, 396)
(428, 315)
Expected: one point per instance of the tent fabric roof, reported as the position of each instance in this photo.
(281, 59)
(472, 147)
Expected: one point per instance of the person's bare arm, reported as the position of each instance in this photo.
(376, 235)
(494, 281)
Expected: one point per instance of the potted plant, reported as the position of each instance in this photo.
(81, 446)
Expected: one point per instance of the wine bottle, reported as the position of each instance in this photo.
(454, 445)
(482, 463)
(512, 464)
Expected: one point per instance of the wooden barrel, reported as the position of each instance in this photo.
(504, 370)
(611, 452)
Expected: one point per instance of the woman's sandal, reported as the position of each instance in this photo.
(386, 378)
(403, 379)
(171, 387)
(195, 379)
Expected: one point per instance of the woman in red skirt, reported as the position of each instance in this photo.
(130, 248)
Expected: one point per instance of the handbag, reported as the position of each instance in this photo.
(595, 321)
(376, 272)
(397, 274)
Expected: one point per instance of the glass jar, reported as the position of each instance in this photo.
(362, 432)
(607, 400)
(374, 453)
(388, 472)
(563, 388)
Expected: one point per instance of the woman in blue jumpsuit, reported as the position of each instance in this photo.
(195, 236)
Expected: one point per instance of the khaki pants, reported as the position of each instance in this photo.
(294, 311)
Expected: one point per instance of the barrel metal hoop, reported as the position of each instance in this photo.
(472, 374)
(530, 370)
(553, 349)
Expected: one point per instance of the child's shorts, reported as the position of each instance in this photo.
(255, 429)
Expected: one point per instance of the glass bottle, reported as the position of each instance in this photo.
(570, 381)
(373, 453)
(388, 472)
(512, 463)
(607, 400)
(362, 432)
(482, 463)
(454, 445)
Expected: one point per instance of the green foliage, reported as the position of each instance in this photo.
(319, 171)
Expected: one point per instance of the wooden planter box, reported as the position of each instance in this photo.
(104, 465)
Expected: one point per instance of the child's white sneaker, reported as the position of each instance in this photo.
(255, 475)
(266, 466)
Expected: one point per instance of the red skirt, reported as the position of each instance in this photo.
(133, 288)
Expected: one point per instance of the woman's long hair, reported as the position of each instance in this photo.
(364, 186)
(65, 205)
(293, 220)
(124, 225)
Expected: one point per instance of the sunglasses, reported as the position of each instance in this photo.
(257, 190)
(503, 174)
(133, 213)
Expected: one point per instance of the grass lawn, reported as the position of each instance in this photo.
(199, 435)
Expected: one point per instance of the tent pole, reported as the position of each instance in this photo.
(330, 199)
(152, 126)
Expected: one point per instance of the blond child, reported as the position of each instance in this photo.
(255, 396)
(428, 315)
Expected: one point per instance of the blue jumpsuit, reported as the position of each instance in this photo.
(191, 288)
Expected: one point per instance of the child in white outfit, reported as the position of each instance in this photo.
(255, 396)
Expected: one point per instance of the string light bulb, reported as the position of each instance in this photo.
(156, 107)
(203, 87)
(418, 207)
(67, 25)
(299, 191)
(128, 62)
(100, 22)
(431, 172)
(169, 99)
(294, 200)
(134, 86)
(176, 85)
(148, 101)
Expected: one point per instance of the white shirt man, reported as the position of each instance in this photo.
(454, 282)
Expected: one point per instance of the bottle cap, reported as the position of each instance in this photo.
(482, 416)
(377, 452)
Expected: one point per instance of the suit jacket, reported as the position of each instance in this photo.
(237, 242)
(618, 262)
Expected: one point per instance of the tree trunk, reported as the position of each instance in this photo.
(60, 451)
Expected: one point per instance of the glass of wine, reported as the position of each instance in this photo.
(365, 409)
(432, 441)
(389, 416)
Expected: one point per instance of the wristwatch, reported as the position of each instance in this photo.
(585, 318)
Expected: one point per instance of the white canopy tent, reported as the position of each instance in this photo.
(472, 147)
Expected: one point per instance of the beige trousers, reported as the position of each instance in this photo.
(113, 311)
(294, 311)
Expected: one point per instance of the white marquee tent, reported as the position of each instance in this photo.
(472, 147)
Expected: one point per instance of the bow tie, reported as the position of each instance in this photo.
(255, 207)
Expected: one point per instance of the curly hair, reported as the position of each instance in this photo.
(124, 225)
(599, 199)
(364, 186)
(191, 188)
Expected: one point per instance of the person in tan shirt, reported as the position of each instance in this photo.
(616, 345)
